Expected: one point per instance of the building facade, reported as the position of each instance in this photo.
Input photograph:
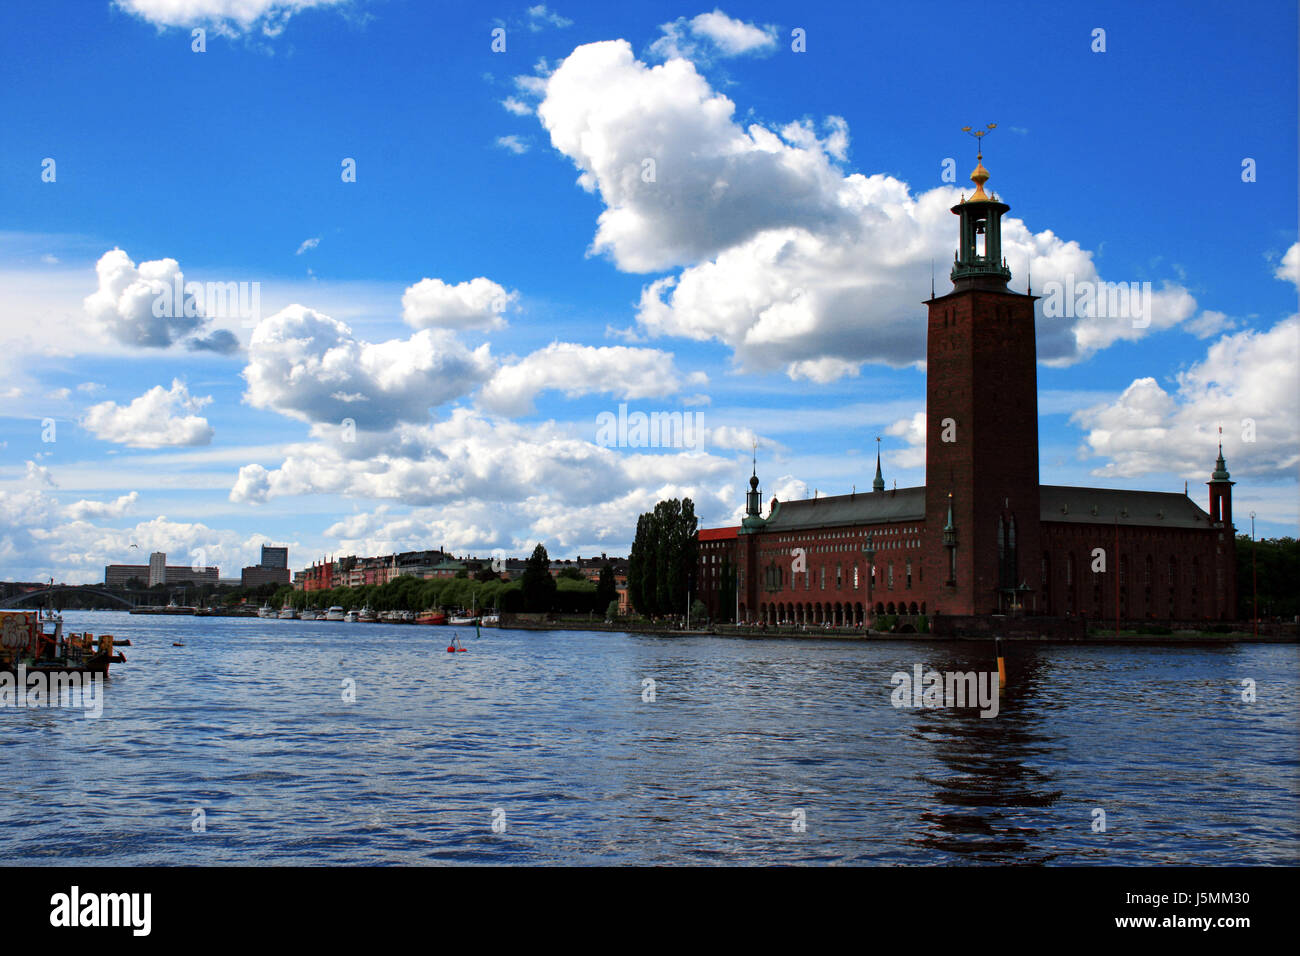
(982, 536)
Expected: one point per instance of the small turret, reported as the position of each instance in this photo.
(1220, 485)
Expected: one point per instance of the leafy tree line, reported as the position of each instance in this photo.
(536, 590)
(661, 564)
(1278, 566)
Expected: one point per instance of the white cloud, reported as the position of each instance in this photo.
(477, 482)
(85, 508)
(125, 306)
(517, 106)
(1289, 268)
(308, 244)
(787, 260)
(477, 304)
(40, 539)
(712, 33)
(311, 367)
(226, 16)
(617, 370)
(513, 143)
(539, 18)
(1247, 383)
(912, 430)
(158, 418)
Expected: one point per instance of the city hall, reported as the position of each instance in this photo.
(982, 537)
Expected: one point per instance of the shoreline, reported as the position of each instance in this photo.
(1184, 637)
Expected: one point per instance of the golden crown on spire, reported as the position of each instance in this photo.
(981, 175)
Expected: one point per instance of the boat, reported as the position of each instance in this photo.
(491, 620)
(463, 621)
(367, 616)
(265, 611)
(351, 617)
(310, 615)
(286, 613)
(334, 614)
(431, 617)
(35, 642)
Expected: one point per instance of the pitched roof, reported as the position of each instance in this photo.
(1162, 509)
(867, 507)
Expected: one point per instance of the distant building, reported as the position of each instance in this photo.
(256, 576)
(120, 575)
(157, 568)
(273, 569)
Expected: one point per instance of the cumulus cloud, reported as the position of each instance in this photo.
(619, 370)
(308, 244)
(477, 304)
(86, 508)
(135, 306)
(511, 485)
(468, 456)
(1248, 383)
(40, 539)
(1289, 268)
(226, 16)
(712, 34)
(786, 259)
(309, 366)
(158, 418)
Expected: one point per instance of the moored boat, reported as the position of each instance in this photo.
(286, 613)
(266, 611)
(334, 614)
(367, 616)
(431, 617)
(35, 642)
(351, 617)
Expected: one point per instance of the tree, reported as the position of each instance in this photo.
(607, 587)
(699, 613)
(661, 563)
(571, 574)
(537, 584)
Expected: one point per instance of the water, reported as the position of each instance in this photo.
(549, 732)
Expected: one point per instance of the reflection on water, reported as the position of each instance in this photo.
(743, 740)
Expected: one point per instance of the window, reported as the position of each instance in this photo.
(891, 576)
(909, 574)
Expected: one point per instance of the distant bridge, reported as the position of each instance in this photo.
(18, 599)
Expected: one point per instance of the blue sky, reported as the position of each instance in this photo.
(501, 271)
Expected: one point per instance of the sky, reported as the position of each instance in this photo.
(426, 253)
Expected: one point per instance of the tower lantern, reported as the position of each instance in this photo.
(979, 262)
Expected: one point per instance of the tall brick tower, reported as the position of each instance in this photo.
(981, 471)
(1225, 552)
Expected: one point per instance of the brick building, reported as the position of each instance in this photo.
(982, 536)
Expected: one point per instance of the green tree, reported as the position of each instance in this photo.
(538, 585)
(1276, 563)
(607, 586)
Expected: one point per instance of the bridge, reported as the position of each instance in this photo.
(16, 600)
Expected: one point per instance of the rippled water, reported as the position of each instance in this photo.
(550, 732)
